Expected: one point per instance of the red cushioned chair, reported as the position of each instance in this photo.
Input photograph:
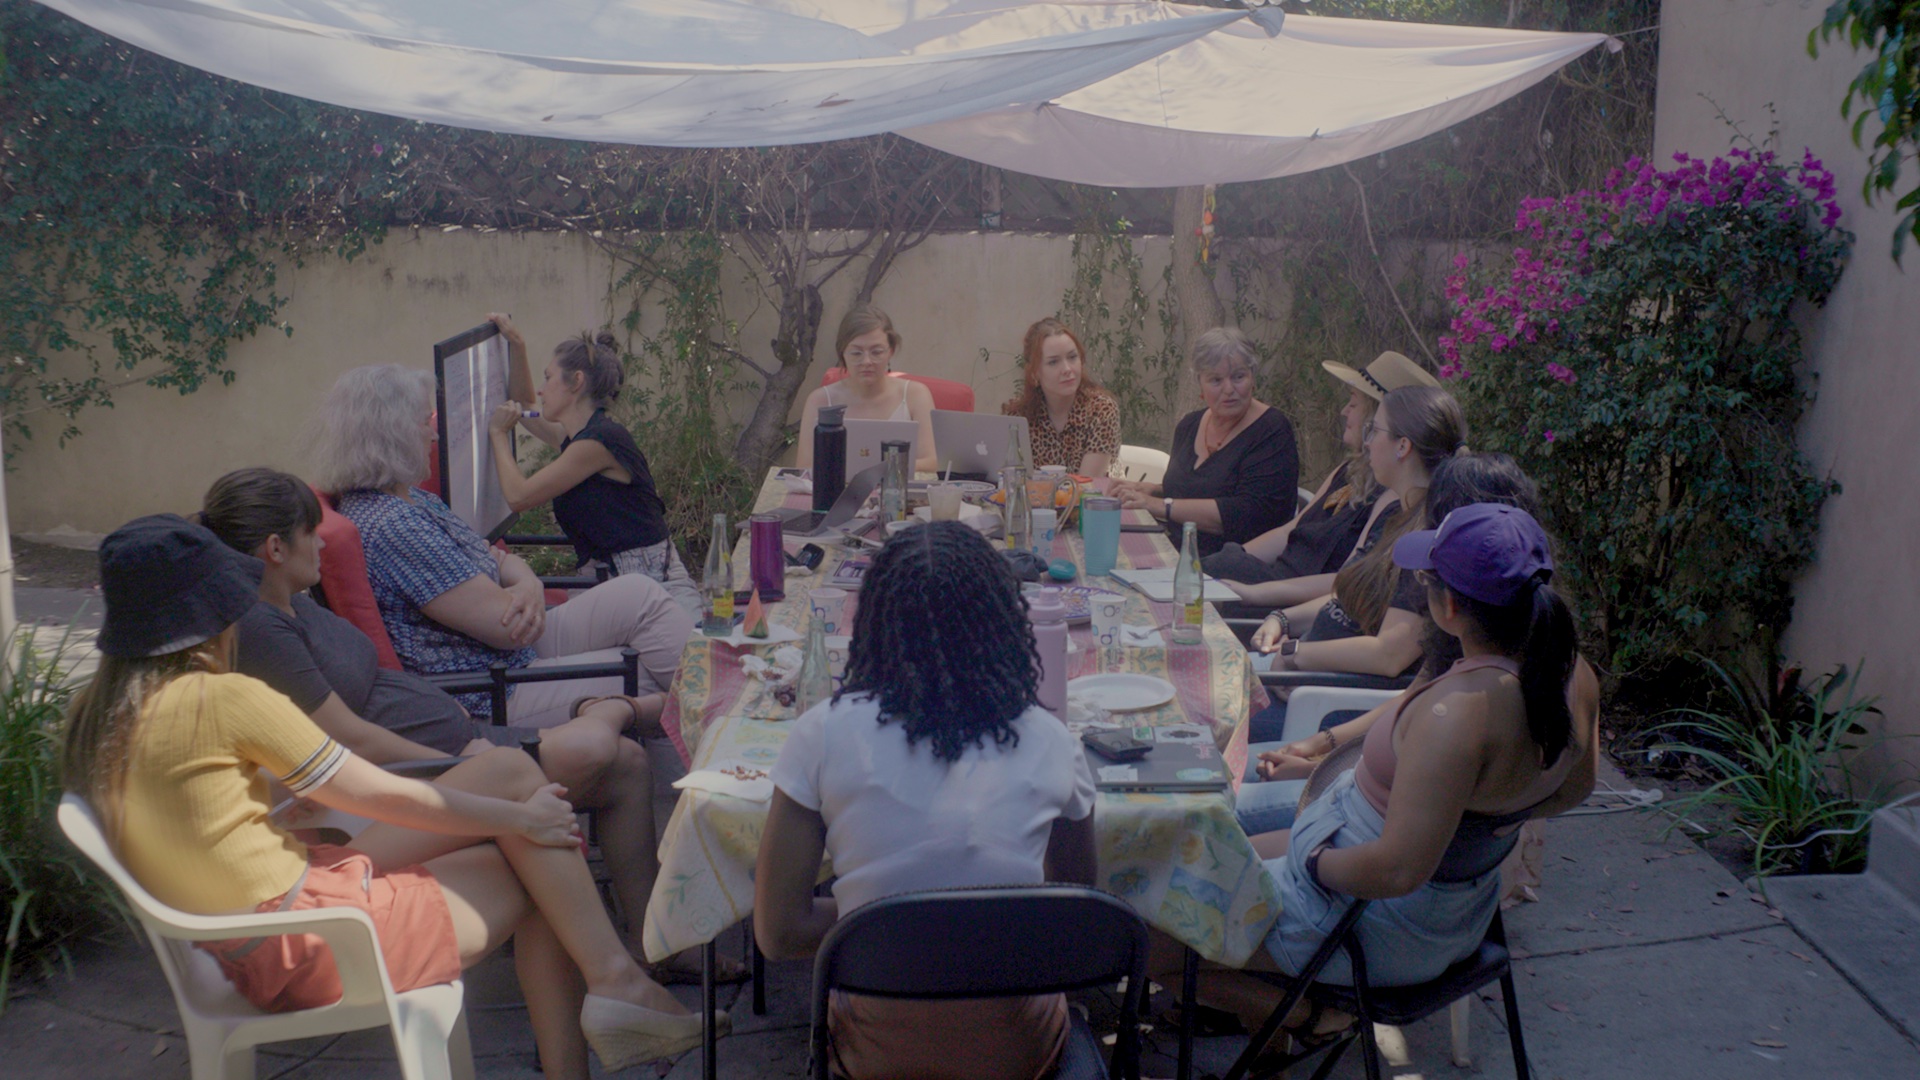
(947, 394)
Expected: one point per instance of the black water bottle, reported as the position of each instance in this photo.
(829, 457)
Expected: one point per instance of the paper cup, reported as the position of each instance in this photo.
(943, 502)
(1109, 613)
(1045, 523)
(831, 605)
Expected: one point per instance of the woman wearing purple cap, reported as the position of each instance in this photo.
(1422, 823)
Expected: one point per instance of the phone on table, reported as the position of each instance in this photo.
(1116, 745)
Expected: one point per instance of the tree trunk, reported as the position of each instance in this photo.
(764, 434)
(1197, 304)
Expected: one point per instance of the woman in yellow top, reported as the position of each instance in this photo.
(173, 750)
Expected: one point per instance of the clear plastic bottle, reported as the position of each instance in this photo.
(815, 682)
(1018, 519)
(1189, 590)
(716, 582)
(896, 471)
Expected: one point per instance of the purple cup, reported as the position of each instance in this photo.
(766, 557)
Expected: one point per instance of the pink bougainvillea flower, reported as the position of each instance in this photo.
(1562, 372)
(1548, 436)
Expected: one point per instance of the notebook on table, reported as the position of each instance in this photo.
(1169, 766)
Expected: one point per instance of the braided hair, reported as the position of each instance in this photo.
(941, 641)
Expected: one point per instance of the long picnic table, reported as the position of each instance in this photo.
(1179, 859)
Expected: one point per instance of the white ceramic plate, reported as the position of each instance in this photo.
(1120, 692)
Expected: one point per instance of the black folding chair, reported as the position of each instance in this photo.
(1369, 1005)
(986, 943)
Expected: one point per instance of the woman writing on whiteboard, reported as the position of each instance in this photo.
(600, 487)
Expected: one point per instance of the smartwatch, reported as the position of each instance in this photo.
(1289, 646)
(1166, 509)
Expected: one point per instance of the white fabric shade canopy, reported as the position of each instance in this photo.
(657, 72)
(1130, 93)
(1238, 104)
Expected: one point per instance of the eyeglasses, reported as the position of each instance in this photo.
(1375, 427)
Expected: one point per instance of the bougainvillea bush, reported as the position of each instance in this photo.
(1639, 354)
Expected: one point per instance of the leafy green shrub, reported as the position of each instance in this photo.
(49, 894)
(1776, 749)
(1640, 358)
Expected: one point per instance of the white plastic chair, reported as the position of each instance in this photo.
(1307, 706)
(429, 1024)
(1141, 464)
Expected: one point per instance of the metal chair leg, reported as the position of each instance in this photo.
(1520, 1070)
(1189, 1004)
(709, 1044)
(759, 975)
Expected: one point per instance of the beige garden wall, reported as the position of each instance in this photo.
(1861, 600)
(157, 451)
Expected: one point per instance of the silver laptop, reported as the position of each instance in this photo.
(865, 436)
(976, 443)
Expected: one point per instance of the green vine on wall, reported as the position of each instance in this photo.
(1108, 304)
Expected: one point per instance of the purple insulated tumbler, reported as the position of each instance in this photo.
(767, 560)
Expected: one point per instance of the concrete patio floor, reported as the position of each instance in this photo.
(1644, 958)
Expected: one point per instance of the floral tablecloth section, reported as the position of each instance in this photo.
(1180, 860)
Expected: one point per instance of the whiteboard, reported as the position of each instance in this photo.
(470, 381)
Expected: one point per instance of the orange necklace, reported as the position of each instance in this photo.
(1207, 438)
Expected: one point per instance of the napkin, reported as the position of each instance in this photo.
(717, 782)
(775, 634)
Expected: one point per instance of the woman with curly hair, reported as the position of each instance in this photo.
(933, 767)
(1071, 420)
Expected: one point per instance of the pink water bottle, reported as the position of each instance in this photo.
(1048, 612)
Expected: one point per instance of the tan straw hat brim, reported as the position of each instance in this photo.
(1389, 371)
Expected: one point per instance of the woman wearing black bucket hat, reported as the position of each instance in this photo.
(173, 751)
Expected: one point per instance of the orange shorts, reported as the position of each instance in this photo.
(296, 971)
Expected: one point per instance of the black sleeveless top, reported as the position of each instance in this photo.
(1323, 537)
(603, 516)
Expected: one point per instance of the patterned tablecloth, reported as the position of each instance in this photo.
(1180, 860)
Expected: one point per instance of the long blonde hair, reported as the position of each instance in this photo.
(1360, 483)
(1434, 423)
(104, 720)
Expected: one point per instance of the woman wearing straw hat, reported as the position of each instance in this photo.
(1306, 552)
(172, 749)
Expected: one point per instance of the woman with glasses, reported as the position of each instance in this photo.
(1446, 775)
(866, 345)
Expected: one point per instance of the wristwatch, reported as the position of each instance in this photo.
(1289, 646)
(1166, 509)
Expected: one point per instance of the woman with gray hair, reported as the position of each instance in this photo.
(450, 601)
(1234, 470)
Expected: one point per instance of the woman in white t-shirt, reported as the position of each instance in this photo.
(932, 768)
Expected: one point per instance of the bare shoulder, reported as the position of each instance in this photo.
(918, 396)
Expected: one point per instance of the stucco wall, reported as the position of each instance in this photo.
(1861, 600)
(157, 451)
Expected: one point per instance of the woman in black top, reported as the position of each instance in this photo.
(601, 489)
(1234, 470)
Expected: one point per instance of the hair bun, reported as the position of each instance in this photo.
(606, 340)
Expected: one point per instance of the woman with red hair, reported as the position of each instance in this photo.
(1070, 419)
